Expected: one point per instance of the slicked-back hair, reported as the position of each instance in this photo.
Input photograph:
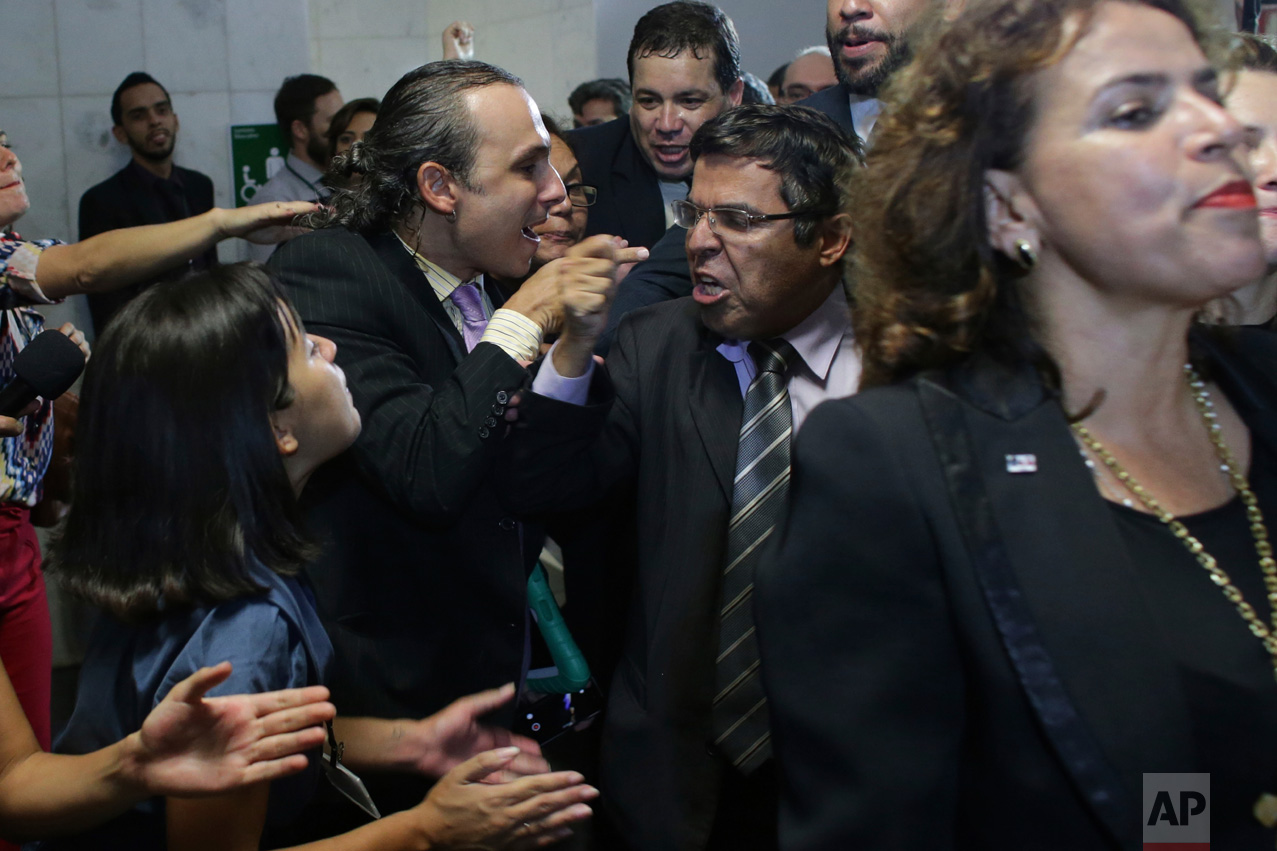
(137, 78)
(295, 101)
(178, 485)
(423, 118)
(672, 28)
(608, 88)
(813, 157)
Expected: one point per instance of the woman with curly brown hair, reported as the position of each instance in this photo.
(1042, 558)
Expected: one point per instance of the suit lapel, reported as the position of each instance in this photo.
(398, 261)
(1068, 605)
(716, 408)
(1083, 594)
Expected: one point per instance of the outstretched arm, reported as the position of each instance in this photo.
(188, 745)
(128, 255)
(435, 745)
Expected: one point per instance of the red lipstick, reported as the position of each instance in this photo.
(1231, 196)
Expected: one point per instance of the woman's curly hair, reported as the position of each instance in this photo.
(929, 289)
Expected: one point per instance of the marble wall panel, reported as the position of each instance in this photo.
(99, 42)
(204, 141)
(368, 67)
(253, 107)
(186, 44)
(266, 41)
(376, 18)
(29, 61)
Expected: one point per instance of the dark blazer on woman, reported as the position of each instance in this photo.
(960, 655)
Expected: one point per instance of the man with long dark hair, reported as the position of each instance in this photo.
(422, 583)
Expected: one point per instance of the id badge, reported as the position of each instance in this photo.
(349, 784)
(343, 779)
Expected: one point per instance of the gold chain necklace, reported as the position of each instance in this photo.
(1258, 530)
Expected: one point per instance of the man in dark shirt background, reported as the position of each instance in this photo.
(150, 189)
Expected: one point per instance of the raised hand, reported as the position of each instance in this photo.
(196, 745)
(454, 734)
(458, 41)
(465, 809)
(587, 282)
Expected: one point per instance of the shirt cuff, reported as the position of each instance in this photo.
(548, 383)
(516, 335)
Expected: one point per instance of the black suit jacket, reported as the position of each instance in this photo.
(834, 102)
(127, 199)
(629, 203)
(668, 436)
(422, 580)
(959, 656)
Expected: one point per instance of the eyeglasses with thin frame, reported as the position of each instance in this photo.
(731, 219)
(582, 194)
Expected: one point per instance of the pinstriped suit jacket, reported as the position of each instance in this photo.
(422, 582)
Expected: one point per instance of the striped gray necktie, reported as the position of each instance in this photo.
(759, 497)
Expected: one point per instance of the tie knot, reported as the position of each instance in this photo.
(776, 356)
(468, 300)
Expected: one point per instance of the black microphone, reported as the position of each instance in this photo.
(47, 367)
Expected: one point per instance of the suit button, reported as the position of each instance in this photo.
(483, 432)
(502, 397)
(506, 523)
(498, 409)
(490, 422)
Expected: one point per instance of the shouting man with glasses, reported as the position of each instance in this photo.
(692, 416)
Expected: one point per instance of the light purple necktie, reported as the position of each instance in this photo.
(469, 301)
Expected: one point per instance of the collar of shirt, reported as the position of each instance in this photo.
(864, 114)
(816, 339)
(304, 170)
(441, 280)
(150, 178)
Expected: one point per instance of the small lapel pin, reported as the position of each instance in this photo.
(1022, 463)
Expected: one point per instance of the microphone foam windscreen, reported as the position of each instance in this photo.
(50, 364)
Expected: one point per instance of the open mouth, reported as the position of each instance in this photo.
(670, 153)
(708, 290)
(528, 233)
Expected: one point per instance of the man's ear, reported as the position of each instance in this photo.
(736, 91)
(1011, 213)
(834, 239)
(301, 133)
(437, 188)
(118, 132)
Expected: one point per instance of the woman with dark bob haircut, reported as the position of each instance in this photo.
(1035, 572)
(205, 410)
